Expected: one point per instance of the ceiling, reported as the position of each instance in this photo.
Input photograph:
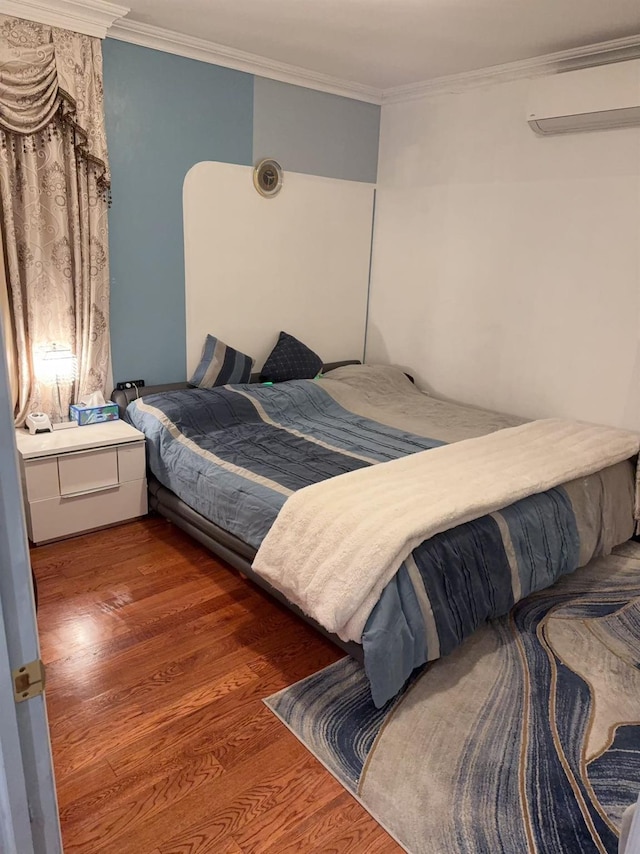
(389, 43)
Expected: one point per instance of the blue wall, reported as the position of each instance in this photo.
(164, 113)
(314, 132)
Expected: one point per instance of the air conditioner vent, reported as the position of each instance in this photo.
(600, 98)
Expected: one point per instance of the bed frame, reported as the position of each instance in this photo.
(221, 543)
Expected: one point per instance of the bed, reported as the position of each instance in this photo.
(224, 461)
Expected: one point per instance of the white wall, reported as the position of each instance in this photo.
(298, 262)
(506, 266)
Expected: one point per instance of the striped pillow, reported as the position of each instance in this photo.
(221, 364)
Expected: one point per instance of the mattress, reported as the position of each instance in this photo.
(234, 454)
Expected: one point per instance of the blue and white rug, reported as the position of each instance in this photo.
(525, 739)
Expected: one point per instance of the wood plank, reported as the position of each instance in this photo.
(136, 675)
(317, 826)
(312, 791)
(199, 806)
(111, 663)
(78, 746)
(160, 658)
(237, 799)
(363, 834)
(209, 725)
(137, 807)
(99, 776)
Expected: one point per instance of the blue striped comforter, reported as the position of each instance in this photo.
(234, 454)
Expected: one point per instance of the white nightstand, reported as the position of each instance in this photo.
(81, 479)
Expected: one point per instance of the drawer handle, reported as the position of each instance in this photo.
(90, 491)
(100, 449)
(72, 453)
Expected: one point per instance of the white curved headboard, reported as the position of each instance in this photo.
(254, 266)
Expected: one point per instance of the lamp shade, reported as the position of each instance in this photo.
(55, 363)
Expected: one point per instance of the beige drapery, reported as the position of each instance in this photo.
(54, 182)
(7, 326)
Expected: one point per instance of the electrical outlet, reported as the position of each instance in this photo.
(129, 384)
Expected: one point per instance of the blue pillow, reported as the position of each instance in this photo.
(290, 359)
(221, 364)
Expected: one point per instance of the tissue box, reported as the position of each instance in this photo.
(94, 414)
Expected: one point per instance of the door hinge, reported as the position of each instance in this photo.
(28, 680)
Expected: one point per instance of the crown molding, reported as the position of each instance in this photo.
(100, 17)
(600, 53)
(192, 47)
(91, 17)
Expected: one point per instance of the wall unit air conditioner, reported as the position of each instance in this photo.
(600, 98)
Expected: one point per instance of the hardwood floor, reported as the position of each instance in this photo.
(158, 659)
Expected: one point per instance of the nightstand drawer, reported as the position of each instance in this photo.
(41, 479)
(88, 471)
(60, 517)
(131, 462)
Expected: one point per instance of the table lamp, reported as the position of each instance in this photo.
(57, 365)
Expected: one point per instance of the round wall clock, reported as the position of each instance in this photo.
(267, 178)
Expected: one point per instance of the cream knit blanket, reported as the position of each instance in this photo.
(336, 544)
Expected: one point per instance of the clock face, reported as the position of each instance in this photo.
(267, 178)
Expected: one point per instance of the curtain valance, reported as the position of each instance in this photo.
(46, 71)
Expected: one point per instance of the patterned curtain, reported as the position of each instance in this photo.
(7, 327)
(54, 184)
